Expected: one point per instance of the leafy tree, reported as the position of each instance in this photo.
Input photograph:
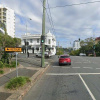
(17, 42)
(87, 46)
(97, 49)
(75, 52)
(7, 41)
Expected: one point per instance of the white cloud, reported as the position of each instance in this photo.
(69, 22)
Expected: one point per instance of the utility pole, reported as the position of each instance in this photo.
(26, 41)
(43, 35)
(58, 49)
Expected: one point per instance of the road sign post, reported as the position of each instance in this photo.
(7, 49)
(16, 64)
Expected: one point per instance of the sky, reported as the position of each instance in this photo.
(69, 23)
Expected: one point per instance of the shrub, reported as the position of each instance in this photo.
(1, 71)
(13, 64)
(5, 58)
(6, 65)
(17, 82)
(97, 53)
(1, 64)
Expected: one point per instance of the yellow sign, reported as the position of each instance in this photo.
(13, 49)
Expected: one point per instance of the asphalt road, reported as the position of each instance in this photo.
(80, 81)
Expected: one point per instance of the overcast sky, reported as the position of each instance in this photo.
(70, 22)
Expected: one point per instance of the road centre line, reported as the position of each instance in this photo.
(97, 68)
(88, 67)
(92, 96)
(62, 74)
(75, 67)
(66, 67)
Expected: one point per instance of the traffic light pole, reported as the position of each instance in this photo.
(43, 34)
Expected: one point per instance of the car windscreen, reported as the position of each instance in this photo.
(64, 56)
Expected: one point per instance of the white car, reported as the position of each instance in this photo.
(38, 54)
(82, 54)
(47, 55)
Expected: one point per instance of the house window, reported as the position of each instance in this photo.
(24, 40)
(49, 41)
(30, 40)
(37, 40)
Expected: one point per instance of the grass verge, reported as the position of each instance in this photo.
(17, 82)
(1, 72)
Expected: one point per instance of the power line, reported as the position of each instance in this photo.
(50, 16)
(73, 4)
(50, 19)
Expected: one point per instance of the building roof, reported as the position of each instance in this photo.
(98, 38)
(49, 33)
(76, 41)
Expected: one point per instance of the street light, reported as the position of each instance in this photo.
(26, 38)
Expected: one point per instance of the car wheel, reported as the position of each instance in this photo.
(69, 63)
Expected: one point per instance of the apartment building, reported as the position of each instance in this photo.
(76, 45)
(34, 43)
(7, 17)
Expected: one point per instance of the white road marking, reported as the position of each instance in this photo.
(61, 74)
(92, 96)
(75, 67)
(55, 66)
(88, 67)
(65, 67)
(97, 68)
(85, 62)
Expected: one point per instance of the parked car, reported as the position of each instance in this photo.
(47, 54)
(64, 59)
(38, 54)
(82, 54)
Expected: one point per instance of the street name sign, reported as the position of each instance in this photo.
(13, 49)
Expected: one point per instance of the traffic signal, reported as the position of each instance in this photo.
(42, 39)
(26, 43)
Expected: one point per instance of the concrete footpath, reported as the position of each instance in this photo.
(32, 72)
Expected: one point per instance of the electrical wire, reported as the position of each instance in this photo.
(73, 4)
(47, 15)
(51, 16)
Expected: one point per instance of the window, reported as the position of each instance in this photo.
(31, 40)
(49, 41)
(24, 40)
(64, 56)
(37, 40)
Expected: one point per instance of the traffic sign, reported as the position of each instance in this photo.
(13, 49)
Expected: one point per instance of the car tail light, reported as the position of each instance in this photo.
(68, 59)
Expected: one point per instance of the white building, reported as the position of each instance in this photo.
(34, 41)
(7, 17)
(76, 45)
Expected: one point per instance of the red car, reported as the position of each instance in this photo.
(64, 59)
